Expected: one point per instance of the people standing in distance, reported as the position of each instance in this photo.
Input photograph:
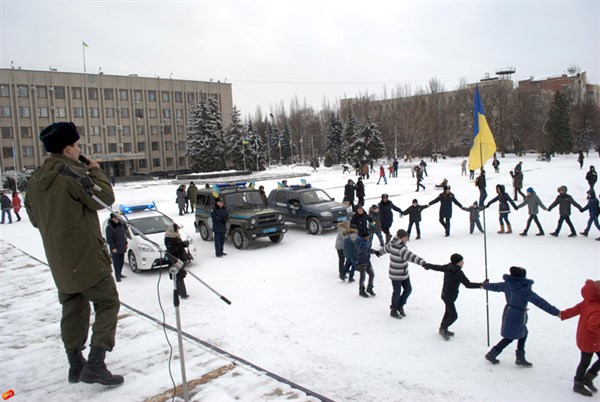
(580, 159)
(419, 173)
(6, 204)
(360, 191)
(116, 237)
(220, 217)
(592, 177)
(192, 192)
(382, 174)
(66, 216)
(16, 204)
(349, 191)
(181, 199)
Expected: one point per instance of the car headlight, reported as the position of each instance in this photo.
(349, 210)
(280, 217)
(145, 247)
(253, 221)
(325, 213)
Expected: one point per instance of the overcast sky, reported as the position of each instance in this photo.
(273, 50)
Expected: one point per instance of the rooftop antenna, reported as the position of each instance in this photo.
(170, 75)
(12, 64)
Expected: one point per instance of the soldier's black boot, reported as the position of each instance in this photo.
(95, 371)
(76, 364)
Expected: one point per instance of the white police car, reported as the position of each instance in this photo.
(141, 254)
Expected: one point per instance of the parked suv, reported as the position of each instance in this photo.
(249, 218)
(309, 206)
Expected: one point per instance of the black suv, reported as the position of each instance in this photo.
(249, 218)
(309, 206)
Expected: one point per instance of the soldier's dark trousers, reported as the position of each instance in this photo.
(75, 321)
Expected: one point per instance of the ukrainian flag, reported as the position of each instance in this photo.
(484, 145)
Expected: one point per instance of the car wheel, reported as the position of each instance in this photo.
(314, 226)
(205, 234)
(133, 262)
(240, 241)
(277, 238)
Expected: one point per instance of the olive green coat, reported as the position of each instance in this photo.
(67, 219)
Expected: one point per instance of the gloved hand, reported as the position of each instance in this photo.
(377, 253)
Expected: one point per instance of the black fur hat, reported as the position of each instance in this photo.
(518, 272)
(57, 136)
(456, 258)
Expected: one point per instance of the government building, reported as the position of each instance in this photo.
(129, 124)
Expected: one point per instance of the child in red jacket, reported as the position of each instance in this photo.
(588, 336)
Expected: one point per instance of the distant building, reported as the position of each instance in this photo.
(573, 84)
(129, 124)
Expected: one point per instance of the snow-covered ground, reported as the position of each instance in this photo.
(291, 315)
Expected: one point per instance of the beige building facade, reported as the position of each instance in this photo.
(129, 124)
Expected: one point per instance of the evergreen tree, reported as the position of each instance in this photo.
(205, 138)
(558, 124)
(254, 148)
(334, 140)
(236, 142)
(372, 138)
(350, 136)
(284, 146)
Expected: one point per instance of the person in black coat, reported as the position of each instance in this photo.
(387, 217)
(503, 207)
(177, 247)
(219, 216)
(446, 199)
(564, 202)
(592, 177)
(116, 237)
(349, 190)
(361, 221)
(414, 216)
(360, 191)
(453, 277)
(480, 182)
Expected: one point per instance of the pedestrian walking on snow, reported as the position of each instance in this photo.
(504, 203)
(453, 277)
(580, 159)
(6, 207)
(588, 336)
(518, 293)
(533, 203)
(594, 210)
(517, 177)
(564, 202)
(463, 168)
(382, 175)
(592, 177)
(446, 199)
(419, 173)
(400, 256)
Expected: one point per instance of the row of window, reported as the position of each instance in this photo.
(23, 91)
(125, 147)
(94, 112)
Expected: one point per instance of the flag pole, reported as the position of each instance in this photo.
(83, 47)
(487, 296)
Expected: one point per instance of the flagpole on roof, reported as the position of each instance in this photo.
(84, 45)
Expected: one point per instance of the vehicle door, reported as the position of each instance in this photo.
(294, 207)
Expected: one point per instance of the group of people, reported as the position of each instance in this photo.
(10, 204)
(186, 199)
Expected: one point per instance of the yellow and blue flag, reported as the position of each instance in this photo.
(484, 145)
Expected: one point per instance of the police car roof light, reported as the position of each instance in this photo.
(225, 185)
(300, 186)
(127, 209)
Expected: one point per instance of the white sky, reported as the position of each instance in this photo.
(273, 50)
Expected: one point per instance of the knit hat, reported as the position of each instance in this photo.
(446, 187)
(401, 233)
(518, 272)
(530, 190)
(57, 136)
(456, 258)
(415, 201)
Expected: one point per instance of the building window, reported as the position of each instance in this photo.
(59, 92)
(153, 113)
(143, 164)
(7, 152)
(179, 113)
(151, 96)
(109, 94)
(4, 91)
(190, 97)
(61, 112)
(138, 96)
(26, 132)
(22, 91)
(179, 130)
(139, 130)
(141, 146)
(155, 162)
(7, 132)
(92, 93)
(76, 93)
(112, 148)
(6, 112)
(97, 148)
(125, 112)
(42, 112)
(168, 145)
(167, 129)
(166, 113)
(169, 162)
(165, 96)
(24, 111)
(42, 91)
(109, 112)
(182, 161)
(78, 112)
(127, 147)
(96, 130)
(27, 151)
(139, 113)
(123, 94)
(126, 130)
(178, 97)
(154, 130)
(155, 145)
(94, 112)
(111, 130)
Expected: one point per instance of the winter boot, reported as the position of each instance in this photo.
(76, 363)
(401, 311)
(370, 291)
(362, 292)
(521, 359)
(587, 381)
(580, 389)
(573, 234)
(492, 354)
(444, 334)
(540, 234)
(95, 371)
(584, 233)
(501, 229)
(523, 233)
(508, 229)
(394, 313)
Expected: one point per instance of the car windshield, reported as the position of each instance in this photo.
(151, 224)
(243, 199)
(314, 197)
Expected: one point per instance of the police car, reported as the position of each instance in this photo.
(141, 254)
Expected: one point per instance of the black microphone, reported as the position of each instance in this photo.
(86, 182)
(83, 159)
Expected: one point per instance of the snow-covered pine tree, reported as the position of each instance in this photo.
(236, 141)
(373, 141)
(194, 141)
(350, 136)
(558, 125)
(285, 139)
(334, 139)
(253, 147)
(206, 144)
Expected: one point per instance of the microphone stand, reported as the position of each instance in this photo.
(176, 265)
